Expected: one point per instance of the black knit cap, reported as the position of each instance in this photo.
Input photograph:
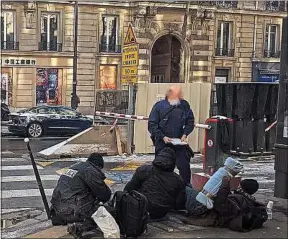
(249, 186)
(96, 159)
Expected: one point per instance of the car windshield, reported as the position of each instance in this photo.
(67, 111)
(46, 110)
(31, 110)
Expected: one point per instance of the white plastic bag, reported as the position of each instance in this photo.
(106, 223)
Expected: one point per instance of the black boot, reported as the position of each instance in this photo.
(72, 229)
(78, 228)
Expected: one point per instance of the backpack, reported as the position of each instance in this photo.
(131, 212)
(252, 215)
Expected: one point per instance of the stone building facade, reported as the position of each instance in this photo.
(178, 42)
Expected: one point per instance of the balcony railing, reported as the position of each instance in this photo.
(110, 48)
(50, 46)
(224, 52)
(220, 4)
(271, 54)
(9, 45)
(275, 6)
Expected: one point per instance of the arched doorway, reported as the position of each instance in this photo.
(166, 60)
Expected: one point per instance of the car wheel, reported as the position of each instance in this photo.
(35, 130)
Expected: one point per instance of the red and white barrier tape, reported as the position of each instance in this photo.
(121, 116)
(271, 126)
(136, 117)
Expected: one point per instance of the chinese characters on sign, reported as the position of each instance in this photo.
(19, 62)
(47, 90)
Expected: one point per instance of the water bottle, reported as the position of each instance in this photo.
(269, 209)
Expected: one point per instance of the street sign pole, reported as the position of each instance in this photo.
(130, 61)
(130, 122)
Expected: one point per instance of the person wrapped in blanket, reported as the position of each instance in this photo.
(237, 210)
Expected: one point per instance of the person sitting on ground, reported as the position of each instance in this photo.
(78, 194)
(237, 210)
(163, 188)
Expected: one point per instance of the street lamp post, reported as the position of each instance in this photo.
(281, 145)
(74, 98)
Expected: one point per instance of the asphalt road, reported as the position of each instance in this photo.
(16, 144)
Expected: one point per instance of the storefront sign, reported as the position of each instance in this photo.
(18, 62)
(268, 78)
(130, 58)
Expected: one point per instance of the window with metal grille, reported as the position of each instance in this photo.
(50, 32)
(224, 39)
(272, 41)
(109, 34)
(8, 31)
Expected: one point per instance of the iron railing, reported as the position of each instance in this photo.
(275, 6)
(110, 48)
(224, 52)
(9, 45)
(49, 46)
(218, 4)
(272, 54)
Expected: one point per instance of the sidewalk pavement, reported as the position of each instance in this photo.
(176, 226)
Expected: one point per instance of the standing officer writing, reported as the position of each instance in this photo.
(173, 118)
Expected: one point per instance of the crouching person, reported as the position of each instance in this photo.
(163, 188)
(78, 194)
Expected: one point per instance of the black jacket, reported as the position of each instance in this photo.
(170, 121)
(239, 211)
(79, 190)
(163, 188)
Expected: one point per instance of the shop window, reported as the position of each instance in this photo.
(109, 34)
(50, 32)
(48, 87)
(8, 32)
(272, 43)
(224, 39)
(6, 86)
(108, 77)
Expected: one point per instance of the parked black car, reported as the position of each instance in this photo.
(57, 120)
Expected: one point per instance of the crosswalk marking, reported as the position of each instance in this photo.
(29, 178)
(24, 193)
(45, 164)
(19, 167)
(14, 160)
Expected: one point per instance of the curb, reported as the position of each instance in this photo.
(53, 232)
(16, 138)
